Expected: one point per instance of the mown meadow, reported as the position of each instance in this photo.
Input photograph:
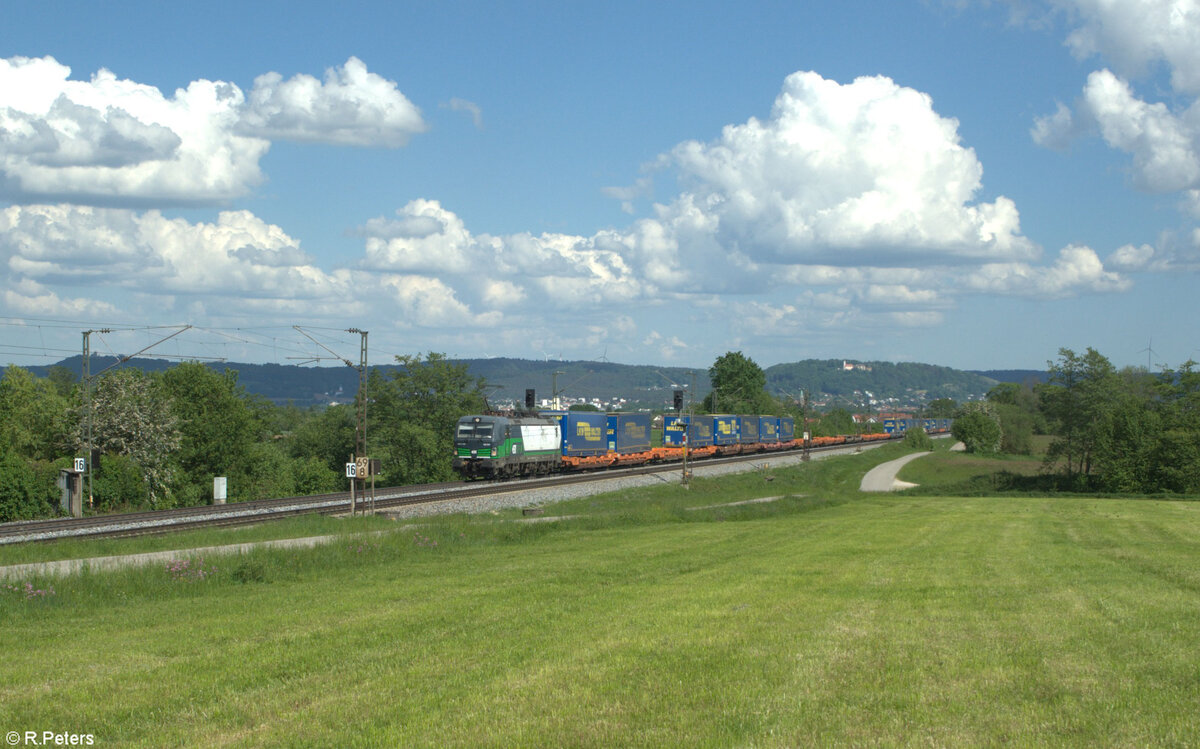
(824, 617)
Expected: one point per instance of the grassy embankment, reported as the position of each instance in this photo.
(832, 617)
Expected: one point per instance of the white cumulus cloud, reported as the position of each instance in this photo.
(842, 174)
(1075, 270)
(109, 140)
(353, 106)
(1136, 37)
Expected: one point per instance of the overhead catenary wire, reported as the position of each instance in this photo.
(213, 342)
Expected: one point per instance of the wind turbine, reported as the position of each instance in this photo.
(1149, 352)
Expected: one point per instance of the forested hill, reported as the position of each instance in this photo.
(1014, 375)
(607, 381)
(882, 379)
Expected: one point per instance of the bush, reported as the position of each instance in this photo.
(119, 484)
(311, 476)
(1016, 426)
(917, 439)
(23, 496)
(978, 430)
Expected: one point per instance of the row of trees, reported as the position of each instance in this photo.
(1126, 431)
(164, 436)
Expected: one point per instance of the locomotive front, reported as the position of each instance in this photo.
(476, 445)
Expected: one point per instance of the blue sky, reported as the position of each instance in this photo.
(973, 184)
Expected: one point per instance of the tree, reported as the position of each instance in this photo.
(132, 417)
(1016, 426)
(838, 421)
(977, 428)
(738, 386)
(217, 428)
(942, 408)
(412, 416)
(1075, 397)
(35, 421)
(326, 435)
(917, 439)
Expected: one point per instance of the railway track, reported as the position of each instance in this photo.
(257, 511)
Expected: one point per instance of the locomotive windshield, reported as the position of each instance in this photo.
(474, 431)
(468, 430)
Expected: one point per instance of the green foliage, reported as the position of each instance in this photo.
(977, 428)
(310, 475)
(412, 416)
(941, 408)
(23, 494)
(132, 417)
(1079, 390)
(739, 386)
(1176, 462)
(588, 407)
(1124, 431)
(327, 435)
(884, 379)
(917, 439)
(121, 484)
(217, 427)
(35, 419)
(63, 380)
(838, 421)
(1016, 424)
(268, 474)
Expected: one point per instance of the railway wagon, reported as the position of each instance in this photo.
(726, 430)
(584, 433)
(768, 430)
(495, 446)
(747, 430)
(787, 429)
(898, 426)
(628, 433)
(699, 430)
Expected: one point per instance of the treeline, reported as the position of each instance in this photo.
(1122, 431)
(164, 436)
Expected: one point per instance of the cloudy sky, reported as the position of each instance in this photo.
(973, 183)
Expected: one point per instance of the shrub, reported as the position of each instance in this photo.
(917, 439)
(22, 495)
(978, 430)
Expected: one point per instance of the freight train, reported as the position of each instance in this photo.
(494, 446)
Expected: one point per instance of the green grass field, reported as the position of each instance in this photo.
(825, 618)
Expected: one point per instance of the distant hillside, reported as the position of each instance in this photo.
(639, 385)
(1020, 376)
(922, 382)
(280, 383)
(606, 381)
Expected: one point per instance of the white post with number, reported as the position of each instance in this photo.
(352, 474)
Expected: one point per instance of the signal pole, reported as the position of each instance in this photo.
(87, 395)
(360, 427)
(87, 385)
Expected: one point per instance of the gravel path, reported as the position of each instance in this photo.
(882, 478)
